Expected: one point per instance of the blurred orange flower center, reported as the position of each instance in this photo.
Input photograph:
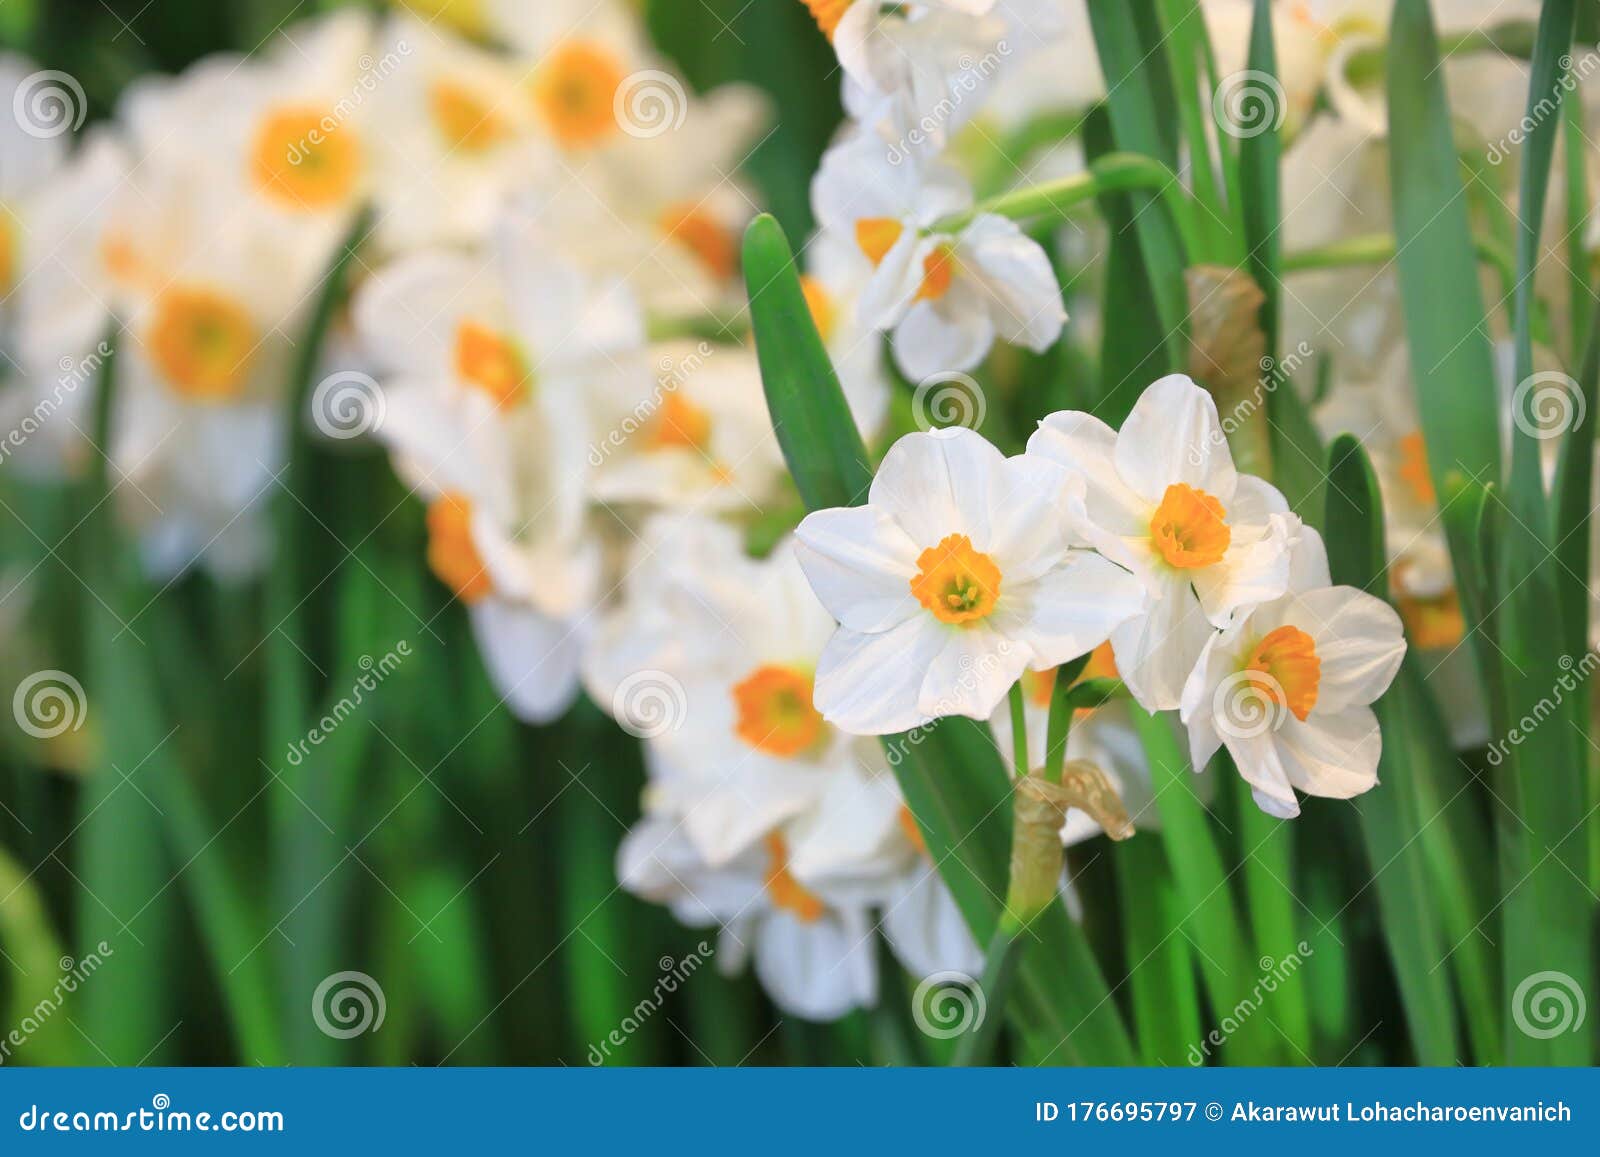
(1414, 469)
(938, 271)
(955, 582)
(876, 236)
(304, 159)
(203, 343)
(1285, 669)
(1188, 528)
(703, 236)
(465, 119)
(908, 824)
(827, 13)
(776, 714)
(452, 555)
(680, 424)
(8, 250)
(1433, 623)
(787, 892)
(575, 91)
(824, 310)
(491, 362)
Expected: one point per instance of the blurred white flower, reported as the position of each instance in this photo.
(1161, 497)
(1287, 690)
(954, 578)
(487, 362)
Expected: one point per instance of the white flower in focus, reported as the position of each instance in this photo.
(1161, 497)
(954, 578)
(1288, 689)
(813, 951)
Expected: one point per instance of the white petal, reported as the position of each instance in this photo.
(869, 684)
(1308, 561)
(1087, 446)
(1359, 640)
(1172, 436)
(1249, 573)
(1072, 610)
(1335, 756)
(1029, 518)
(930, 340)
(939, 483)
(926, 929)
(973, 672)
(1015, 275)
(1156, 651)
(860, 564)
(818, 970)
(532, 660)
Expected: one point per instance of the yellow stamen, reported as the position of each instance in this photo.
(1188, 528)
(203, 342)
(702, 235)
(877, 235)
(938, 271)
(304, 159)
(787, 892)
(465, 120)
(680, 424)
(491, 362)
(776, 714)
(8, 250)
(824, 310)
(452, 554)
(575, 90)
(1414, 469)
(827, 14)
(1291, 671)
(955, 582)
(1433, 623)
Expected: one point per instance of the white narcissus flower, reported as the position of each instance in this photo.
(1161, 497)
(487, 363)
(451, 131)
(947, 296)
(732, 643)
(813, 950)
(836, 274)
(699, 436)
(1288, 689)
(955, 577)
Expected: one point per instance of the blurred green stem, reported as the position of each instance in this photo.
(994, 986)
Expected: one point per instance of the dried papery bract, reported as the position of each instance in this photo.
(1227, 352)
(1040, 810)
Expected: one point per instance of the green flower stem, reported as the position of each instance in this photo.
(1379, 248)
(1019, 731)
(1059, 726)
(999, 969)
(1112, 173)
